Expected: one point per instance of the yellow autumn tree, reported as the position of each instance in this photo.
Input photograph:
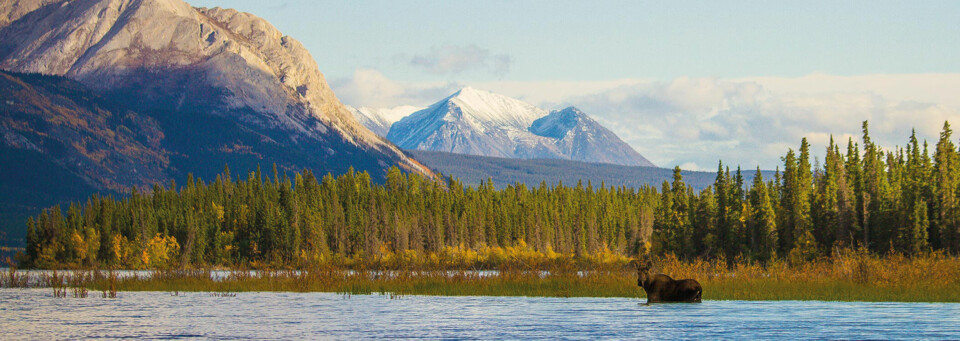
(160, 252)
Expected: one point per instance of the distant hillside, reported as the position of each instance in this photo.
(472, 169)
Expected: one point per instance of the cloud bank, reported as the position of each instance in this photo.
(695, 122)
(371, 88)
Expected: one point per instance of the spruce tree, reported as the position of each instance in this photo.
(947, 165)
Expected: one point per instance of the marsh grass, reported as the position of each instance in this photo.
(396, 283)
(595, 285)
(848, 275)
(14, 279)
(56, 282)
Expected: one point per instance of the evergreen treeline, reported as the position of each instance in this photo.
(902, 200)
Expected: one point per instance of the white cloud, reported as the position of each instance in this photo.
(697, 121)
(701, 121)
(550, 93)
(454, 59)
(371, 88)
(693, 167)
(928, 88)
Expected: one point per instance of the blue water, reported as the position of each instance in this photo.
(36, 314)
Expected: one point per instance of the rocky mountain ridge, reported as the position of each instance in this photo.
(228, 63)
(104, 95)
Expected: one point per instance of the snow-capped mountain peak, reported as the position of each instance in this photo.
(495, 109)
(478, 122)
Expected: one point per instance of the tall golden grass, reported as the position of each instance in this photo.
(847, 275)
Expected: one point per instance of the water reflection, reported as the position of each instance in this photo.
(35, 314)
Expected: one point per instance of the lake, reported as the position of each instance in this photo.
(36, 314)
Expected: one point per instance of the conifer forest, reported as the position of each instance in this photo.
(902, 200)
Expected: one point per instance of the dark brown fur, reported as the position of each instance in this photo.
(662, 288)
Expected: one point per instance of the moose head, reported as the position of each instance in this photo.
(643, 271)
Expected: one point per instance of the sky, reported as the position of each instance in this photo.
(684, 82)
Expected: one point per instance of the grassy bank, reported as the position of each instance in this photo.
(849, 275)
(530, 284)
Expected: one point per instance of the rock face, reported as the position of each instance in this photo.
(481, 123)
(169, 59)
(136, 92)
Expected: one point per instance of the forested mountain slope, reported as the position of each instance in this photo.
(472, 169)
(163, 90)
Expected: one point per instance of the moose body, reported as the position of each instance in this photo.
(662, 288)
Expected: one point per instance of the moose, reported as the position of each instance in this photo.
(662, 288)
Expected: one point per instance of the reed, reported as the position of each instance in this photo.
(14, 279)
(56, 282)
(848, 275)
(78, 283)
(108, 283)
(600, 284)
(398, 283)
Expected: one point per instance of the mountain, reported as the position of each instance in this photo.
(477, 122)
(197, 66)
(137, 92)
(474, 122)
(472, 169)
(581, 138)
(379, 121)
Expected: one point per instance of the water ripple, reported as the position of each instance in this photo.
(36, 314)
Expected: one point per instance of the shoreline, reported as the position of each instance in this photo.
(507, 284)
(849, 275)
(393, 295)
